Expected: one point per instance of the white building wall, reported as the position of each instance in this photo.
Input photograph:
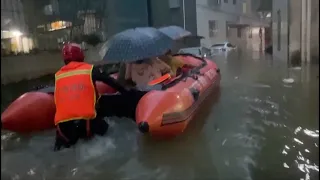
(223, 13)
(204, 15)
(243, 41)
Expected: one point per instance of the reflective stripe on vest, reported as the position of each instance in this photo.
(75, 95)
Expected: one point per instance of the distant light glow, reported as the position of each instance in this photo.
(16, 33)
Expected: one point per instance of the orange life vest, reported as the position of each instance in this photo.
(75, 94)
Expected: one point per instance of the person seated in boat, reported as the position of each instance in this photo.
(175, 63)
(147, 72)
(76, 98)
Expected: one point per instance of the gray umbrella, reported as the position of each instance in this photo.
(175, 32)
(135, 44)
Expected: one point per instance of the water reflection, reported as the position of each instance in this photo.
(303, 158)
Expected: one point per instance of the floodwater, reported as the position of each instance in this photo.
(264, 126)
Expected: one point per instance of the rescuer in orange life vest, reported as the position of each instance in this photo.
(76, 98)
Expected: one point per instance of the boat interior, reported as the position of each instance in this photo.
(124, 103)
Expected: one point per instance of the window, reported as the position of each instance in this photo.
(279, 30)
(234, 1)
(239, 32)
(225, 1)
(58, 25)
(212, 28)
(244, 8)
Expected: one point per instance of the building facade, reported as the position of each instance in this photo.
(14, 31)
(12, 16)
(295, 25)
(216, 20)
(235, 21)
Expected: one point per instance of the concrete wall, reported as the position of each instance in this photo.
(297, 20)
(294, 26)
(226, 13)
(164, 15)
(125, 14)
(204, 14)
(17, 68)
(310, 31)
(315, 31)
(281, 38)
(243, 42)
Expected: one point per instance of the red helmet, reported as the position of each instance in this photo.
(72, 52)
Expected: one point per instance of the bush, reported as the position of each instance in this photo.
(92, 39)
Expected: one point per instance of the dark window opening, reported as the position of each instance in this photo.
(212, 28)
(239, 32)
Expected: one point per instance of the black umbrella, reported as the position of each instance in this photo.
(175, 32)
(135, 44)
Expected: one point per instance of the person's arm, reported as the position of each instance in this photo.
(99, 75)
(177, 62)
(165, 68)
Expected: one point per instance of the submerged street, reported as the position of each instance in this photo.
(264, 125)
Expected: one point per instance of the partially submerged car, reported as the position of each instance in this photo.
(222, 47)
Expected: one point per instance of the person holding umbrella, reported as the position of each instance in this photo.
(138, 49)
(76, 98)
(175, 33)
(143, 72)
(174, 63)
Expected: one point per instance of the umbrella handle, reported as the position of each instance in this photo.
(159, 80)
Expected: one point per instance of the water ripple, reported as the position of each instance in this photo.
(302, 159)
(310, 133)
(298, 141)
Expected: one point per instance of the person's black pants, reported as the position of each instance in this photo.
(68, 133)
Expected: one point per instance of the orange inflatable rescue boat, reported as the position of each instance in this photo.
(163, 109)
(167, 112)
